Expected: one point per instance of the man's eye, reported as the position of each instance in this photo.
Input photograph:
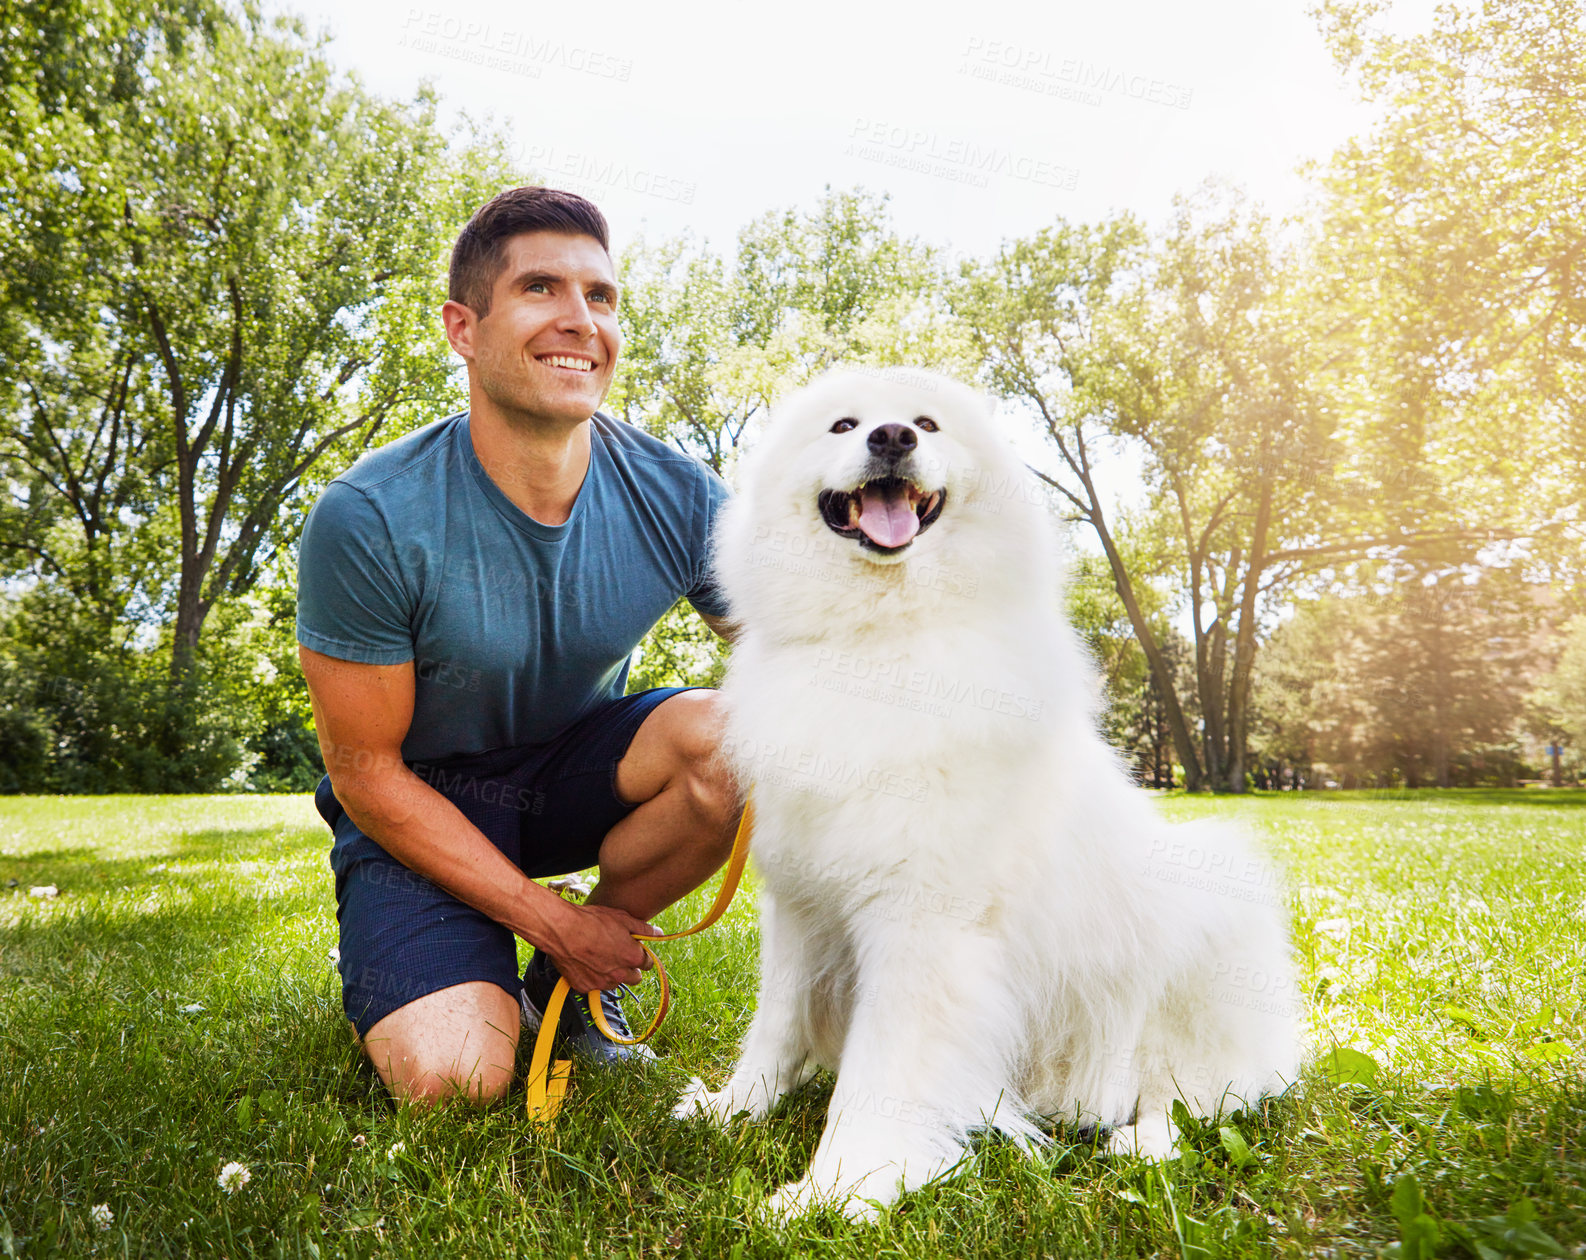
(846, 423)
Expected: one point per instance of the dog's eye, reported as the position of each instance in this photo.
(846, 423)
(926, 423)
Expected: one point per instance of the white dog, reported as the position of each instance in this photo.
(969, 914)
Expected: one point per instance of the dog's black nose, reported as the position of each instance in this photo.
(891, 441)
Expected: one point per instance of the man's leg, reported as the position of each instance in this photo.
(681, 829)
(458, 1041)
(663, 808)
(429, 984)
(461, 1039)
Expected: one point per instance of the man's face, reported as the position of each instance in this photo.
(549, 345)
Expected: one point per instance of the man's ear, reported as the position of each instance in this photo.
(460, 323)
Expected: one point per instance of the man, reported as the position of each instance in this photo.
(468, 599)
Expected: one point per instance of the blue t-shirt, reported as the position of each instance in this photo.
(517, 629)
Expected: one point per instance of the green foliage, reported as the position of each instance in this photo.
(1344, 1065)
(270, 701)
(709, 342)
(89, 711)
(681, 651)
(1559, 699)
(1192, 352)
(1421, 682)
(1134, 719)
(215, 280)
(1419, 1236)
(220, 261)
(1452, 242)
(87, 707)
(1510, 1234)
(220, 272)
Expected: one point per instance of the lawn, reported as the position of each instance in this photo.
(173, 1010)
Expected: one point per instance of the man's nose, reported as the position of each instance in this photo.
(576, 316)
(891, 441)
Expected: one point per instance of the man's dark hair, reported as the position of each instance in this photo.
(478, 256)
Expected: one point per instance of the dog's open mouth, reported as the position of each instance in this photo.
(884, 514)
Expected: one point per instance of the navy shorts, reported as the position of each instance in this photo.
(546, 806)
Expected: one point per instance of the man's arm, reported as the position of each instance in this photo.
(362, 714)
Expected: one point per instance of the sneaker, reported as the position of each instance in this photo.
(576, 1029)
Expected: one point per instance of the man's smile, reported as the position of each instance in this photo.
(570, 362)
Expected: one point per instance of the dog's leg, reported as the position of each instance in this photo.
(1221, 1041)
(774, 1059)
(925, 1059)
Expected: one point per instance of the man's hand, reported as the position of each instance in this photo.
(593, 947)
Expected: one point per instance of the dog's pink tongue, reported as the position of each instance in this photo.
(887, 518)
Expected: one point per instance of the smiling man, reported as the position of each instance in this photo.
(468, 600)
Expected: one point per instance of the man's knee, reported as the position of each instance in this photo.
(455, 1043)
(428, 1084)
(705, 769)
(698, 719)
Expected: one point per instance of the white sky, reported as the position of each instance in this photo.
(704, 116)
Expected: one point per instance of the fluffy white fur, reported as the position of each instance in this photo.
(970, 914)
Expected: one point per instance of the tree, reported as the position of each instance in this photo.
(708, 342)
(1135, 718)
(1456, 249)
(1189, 354)
(220, 285)
(1557, 703)
(1211, 355)
(1420, 682)
(681, 651)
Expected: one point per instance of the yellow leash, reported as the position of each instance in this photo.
(547, 1081)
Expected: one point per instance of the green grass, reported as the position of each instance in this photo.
(1444, 934)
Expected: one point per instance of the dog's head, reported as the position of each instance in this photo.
(862, 474)
(879, 458)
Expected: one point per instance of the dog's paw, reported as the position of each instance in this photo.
(791, 1201)
(695, 1101)
(714, 1105)
(800, 1198)
(1150, 1139)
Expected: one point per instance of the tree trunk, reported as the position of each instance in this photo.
(1245, 644)
(1183, 742)
(1440, 696)
(190, 613)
